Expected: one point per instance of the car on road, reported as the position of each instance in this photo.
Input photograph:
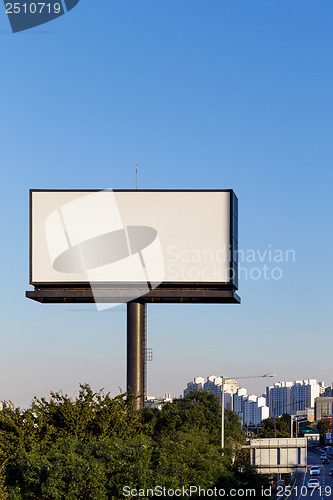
(331, 472)
(313, 483)
(322, 456)
(315, 471)
(325, 460)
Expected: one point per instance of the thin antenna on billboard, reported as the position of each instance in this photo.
(136, 175)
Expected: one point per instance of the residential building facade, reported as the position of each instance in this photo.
(323, 407)
(291, 397)
(250, 408)
(157, 403)
(213, 384)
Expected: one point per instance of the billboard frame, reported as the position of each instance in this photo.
(169, 292)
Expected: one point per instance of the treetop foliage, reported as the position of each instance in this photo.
(93, 446)
(281, 424)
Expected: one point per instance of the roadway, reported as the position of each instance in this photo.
(301, 491)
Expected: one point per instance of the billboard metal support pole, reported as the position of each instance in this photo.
(136, 311)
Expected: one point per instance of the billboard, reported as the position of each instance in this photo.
(124, 238)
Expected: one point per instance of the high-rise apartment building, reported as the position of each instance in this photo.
(278, 398)
(250, 408)
(196, 385)
(214, 385)
(323, 407)
(291, 397)
(328, 392)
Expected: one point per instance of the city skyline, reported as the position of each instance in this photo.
(218, 96)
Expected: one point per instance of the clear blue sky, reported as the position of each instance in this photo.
(201, 94)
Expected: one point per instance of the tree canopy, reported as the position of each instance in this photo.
(281, 424)
(94, 446)
(323, 427)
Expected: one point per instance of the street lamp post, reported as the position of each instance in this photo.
(298, 421)
(292, 425)
(222, 403)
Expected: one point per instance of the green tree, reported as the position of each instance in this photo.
(323, 427)
(189, 458)
(89, 415)
(243, 476)
(3, 488)
(233, 429)
(92, 447)
(199, 409)
(73, 469)
(282, 425)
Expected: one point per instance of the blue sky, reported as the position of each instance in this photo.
(219, 94)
